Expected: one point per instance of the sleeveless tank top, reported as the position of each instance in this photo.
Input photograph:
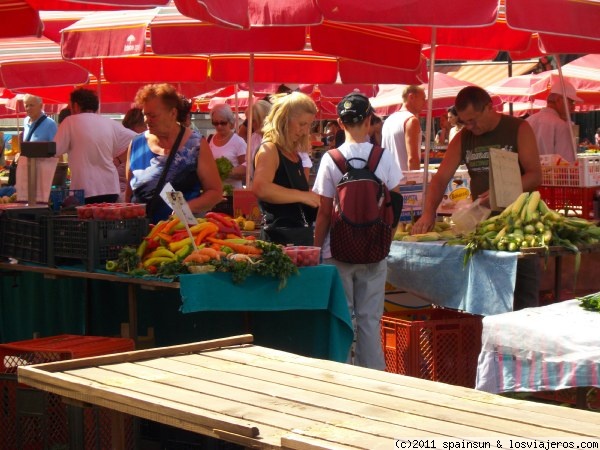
(475, 151)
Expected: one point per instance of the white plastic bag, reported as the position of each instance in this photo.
(468, 215)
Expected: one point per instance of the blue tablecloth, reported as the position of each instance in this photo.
(436, 273)
(310, 313)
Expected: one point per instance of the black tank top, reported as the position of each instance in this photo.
(289, 174)
(475, 151)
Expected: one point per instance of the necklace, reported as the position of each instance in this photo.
(220, 141)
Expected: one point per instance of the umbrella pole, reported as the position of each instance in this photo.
(428, 122)
(249, 149)
(566, 104)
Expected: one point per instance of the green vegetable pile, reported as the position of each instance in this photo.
(529, 223)
(590, 302)
(224, 166)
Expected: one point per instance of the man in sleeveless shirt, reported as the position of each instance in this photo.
(485, 128)
(401, 132)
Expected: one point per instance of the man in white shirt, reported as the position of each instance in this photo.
(401, 132)
(92, 142)
(550, 123)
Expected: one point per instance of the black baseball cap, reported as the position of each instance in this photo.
(354, 108)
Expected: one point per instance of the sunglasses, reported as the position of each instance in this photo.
(222, 123)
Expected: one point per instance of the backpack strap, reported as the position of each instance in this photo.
(339, 160)
(374, 158)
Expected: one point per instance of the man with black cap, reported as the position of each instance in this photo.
(364, 284)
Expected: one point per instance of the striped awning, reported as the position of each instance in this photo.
(485, 75)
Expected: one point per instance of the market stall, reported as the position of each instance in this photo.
(267, 399)
(309, 316)
(540, 349)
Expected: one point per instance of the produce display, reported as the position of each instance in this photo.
(214, 244)
(302, 255)
(590, 302)
(111, 211)
(529, 223)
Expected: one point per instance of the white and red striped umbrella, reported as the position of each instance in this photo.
(445, 90)
(138, 33)
(583, 73)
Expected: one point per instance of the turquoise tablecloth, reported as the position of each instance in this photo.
(436, 273)
(309, 315)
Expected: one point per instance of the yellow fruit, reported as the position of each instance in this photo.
(249, 225)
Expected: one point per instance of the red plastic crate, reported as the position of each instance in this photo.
(434, 343)
(577, 200)
(32, 419)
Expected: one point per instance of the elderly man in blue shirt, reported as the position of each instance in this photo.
(37, 126)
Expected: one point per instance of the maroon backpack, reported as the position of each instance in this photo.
(363, 216)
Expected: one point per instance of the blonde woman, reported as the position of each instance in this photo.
(279, 180)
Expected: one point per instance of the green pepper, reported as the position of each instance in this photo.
(112, 266)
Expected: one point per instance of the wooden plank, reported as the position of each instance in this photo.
(137, 403)
(442, 389)
(137, 355)
(281, 406)
(586, 424)
(302, 398)
(298, 442)
(56, 272)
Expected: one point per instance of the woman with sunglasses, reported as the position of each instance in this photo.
(192, 170)
(225, 142)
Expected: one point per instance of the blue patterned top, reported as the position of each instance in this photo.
(147, 167)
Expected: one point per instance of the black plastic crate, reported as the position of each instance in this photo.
(90, 241)
(24, 240)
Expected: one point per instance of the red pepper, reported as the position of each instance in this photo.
(152, 244)
(179, 235)
(223, 227)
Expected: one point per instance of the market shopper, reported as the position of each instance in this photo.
(364, 284)
(279, 179)
(401, 132)
(455, 125)
(226, 143)
(485, 128)
(551, 126)
(134, 120)
(91, 142)
(37, 127)
(192, 171)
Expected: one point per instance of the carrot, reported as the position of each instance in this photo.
(168, 228)
(208, 230)
(197, 257)
(211, 252)
(164, 236)
(238, 248)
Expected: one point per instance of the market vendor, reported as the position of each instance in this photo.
(192, 170)
(485, 128)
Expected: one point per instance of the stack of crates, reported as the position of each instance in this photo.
(33, 419)
(435, 344)
(571, 188)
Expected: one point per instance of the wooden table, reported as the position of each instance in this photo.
(268, 399)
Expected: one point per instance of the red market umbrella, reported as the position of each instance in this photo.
(19, 19)
(445, 89)
(583, 73)
(93, 5)
(124, 33)
(36, 62)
